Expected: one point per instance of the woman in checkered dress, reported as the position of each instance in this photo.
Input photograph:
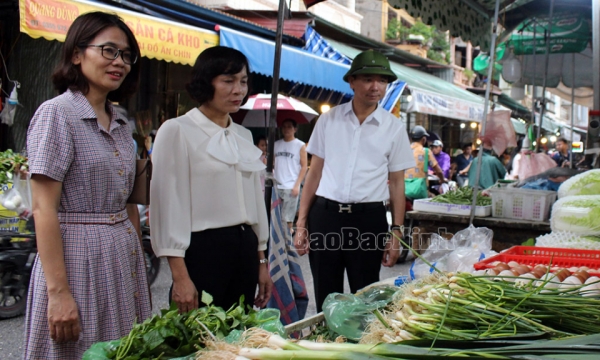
(88, 283)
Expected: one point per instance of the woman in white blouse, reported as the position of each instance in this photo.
(208, 213)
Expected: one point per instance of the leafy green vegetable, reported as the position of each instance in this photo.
(587, 183)
(462, 196)
(172, 334)
(9, 162)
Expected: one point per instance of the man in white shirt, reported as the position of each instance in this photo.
(356, 147)
(290, 168)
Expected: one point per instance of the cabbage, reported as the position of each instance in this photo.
(586, 183)
(577, 214)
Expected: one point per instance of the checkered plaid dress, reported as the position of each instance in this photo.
(103, 257)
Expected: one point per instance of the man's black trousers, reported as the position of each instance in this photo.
(352, 241)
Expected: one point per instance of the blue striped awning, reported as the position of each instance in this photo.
(297, 65)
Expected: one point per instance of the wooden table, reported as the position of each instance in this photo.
(507, 232)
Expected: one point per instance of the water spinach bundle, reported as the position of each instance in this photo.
(462, 196)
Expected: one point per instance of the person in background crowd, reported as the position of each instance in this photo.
(442, 158)
(463, 163)
(562, 155)
(290, 168)
(88, 281)
(492, 168)
(356, 147)
(261, 143)
(515, 154)
(416, 177)
(208, 211)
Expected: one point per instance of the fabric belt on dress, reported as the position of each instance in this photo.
(347, 208)
(92, 218)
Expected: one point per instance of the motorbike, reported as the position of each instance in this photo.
(17, 255)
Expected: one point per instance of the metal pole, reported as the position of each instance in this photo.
(547, 39)
(596, 53)
(533, 77)
(591, 142)
(572, 108)
(486, 104)
(273, 111)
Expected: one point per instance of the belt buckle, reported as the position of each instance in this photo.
(347, 208)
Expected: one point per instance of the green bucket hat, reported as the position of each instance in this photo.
(370, 62)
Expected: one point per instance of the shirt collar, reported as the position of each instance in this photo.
(375, 116)
(416, 145)
(84, 109)
(208, 126)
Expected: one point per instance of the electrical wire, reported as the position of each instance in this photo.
(17, 84)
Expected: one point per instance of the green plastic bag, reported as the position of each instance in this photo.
(348, 314)
(267, 319)
(101, 350)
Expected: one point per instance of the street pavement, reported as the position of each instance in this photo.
(12, 330)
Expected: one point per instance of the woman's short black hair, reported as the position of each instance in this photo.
(83, 30)
(212, 62)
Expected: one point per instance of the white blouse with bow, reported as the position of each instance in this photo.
(204, 177)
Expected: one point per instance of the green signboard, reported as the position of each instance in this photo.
(570, 33)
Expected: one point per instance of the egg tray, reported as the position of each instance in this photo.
(551, 257)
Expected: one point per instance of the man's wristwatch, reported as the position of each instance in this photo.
(398, 227)
(263, 261)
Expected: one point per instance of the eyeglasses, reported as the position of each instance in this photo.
(111, 53)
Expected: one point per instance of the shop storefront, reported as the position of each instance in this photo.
(168, 49)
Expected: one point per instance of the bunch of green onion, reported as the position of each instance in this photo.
(273, 347)
(469, 307)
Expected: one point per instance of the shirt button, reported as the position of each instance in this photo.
(116, 153)
(121, 172)
(125, 191)
(136, 294)
(129, 231)
(133, 274)
(133, 252)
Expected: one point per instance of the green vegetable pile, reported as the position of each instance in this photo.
(173, 335)
(462, 196)
(9, 162)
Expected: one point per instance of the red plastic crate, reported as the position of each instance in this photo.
(534, 255)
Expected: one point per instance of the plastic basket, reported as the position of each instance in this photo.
(552, 257)
(524, 204)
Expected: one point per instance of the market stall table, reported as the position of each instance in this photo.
(507, 232)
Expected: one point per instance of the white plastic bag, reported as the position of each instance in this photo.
(458, 254)
(18, 198)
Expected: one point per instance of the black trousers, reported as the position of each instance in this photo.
(224, 263)
(353, 242)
